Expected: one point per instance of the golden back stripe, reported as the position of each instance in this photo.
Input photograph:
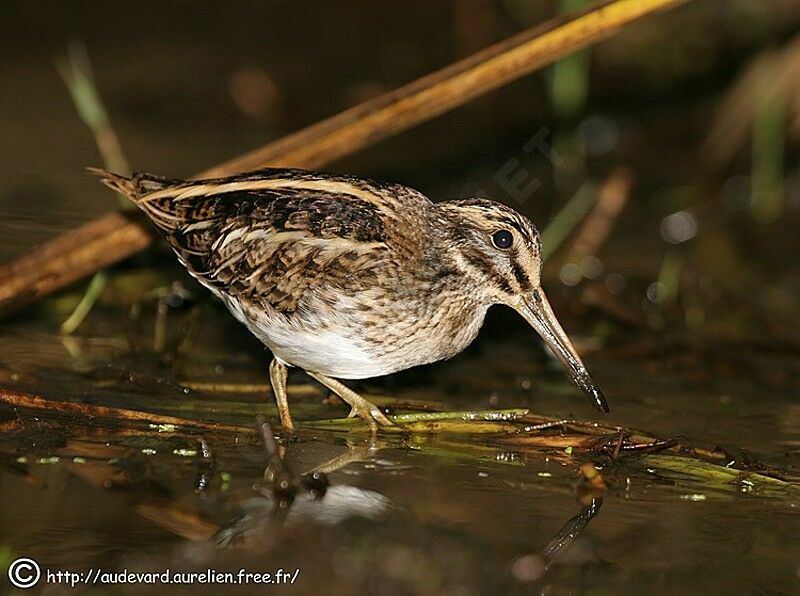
(328, 186)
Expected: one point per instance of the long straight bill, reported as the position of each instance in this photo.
(537, 311)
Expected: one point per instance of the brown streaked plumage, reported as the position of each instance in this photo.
(351, 278)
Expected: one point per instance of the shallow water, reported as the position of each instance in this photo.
(716, 365)
(402, 514)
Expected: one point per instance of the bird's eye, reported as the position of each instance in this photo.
(502, 239)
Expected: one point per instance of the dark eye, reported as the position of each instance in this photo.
(502, 238)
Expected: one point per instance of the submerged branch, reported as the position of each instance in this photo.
(503, 433)
(34, 402)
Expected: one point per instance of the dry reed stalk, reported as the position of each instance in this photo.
(113, 237)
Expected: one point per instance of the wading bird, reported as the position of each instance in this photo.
(349, 278)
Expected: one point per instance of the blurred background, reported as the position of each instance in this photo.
(698, 106)
(661, 166)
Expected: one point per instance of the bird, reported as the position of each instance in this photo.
(351, 278)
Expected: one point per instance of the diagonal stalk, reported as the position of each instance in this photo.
(116, 236)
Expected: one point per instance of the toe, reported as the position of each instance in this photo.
(381, 418)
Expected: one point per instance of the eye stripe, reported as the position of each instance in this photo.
(485, 266)
(519, 273)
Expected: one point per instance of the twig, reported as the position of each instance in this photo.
(76, 72)
(114, 237)
(472, 421)
(618, 446)
(270, 446)
(298, 389)
(87, 301)
(35, 402)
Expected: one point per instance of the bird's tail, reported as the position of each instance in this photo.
(117, 183)
(136, 187)
(163, 211)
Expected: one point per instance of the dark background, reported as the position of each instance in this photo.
(694, 335)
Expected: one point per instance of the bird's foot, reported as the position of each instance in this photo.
(360, 407)
(369, 412)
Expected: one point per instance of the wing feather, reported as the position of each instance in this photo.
(274, 235)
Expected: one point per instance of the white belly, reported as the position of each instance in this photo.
(325, 352)
(342, 354)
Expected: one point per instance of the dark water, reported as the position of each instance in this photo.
(707, 356)
(414, 514)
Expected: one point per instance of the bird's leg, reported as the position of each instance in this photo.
(277, 377)
(360, 406)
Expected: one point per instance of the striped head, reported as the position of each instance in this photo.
(501, 249)
(497, 245)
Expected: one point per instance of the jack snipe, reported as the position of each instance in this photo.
(350, 278)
